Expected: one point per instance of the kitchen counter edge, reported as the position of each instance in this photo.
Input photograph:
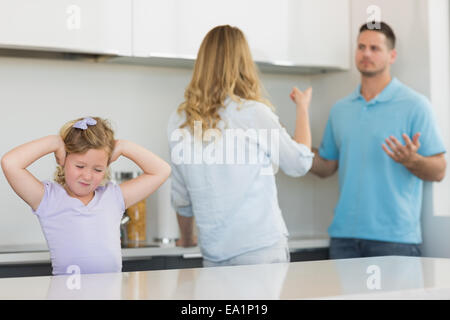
(142, 253)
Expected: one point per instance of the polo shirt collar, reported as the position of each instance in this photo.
(385, 95)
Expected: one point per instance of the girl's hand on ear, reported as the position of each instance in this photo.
(60, 152)
(117, 152)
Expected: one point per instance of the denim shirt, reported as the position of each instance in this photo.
(228, 181)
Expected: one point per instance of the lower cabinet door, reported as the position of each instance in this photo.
(25, 270)
(150, 263)
(309, 254)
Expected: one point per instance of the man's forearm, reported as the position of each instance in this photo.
(427, 168)
(321, 167)
(186, 225)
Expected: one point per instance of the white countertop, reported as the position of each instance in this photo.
(390, 277)
(22, 254)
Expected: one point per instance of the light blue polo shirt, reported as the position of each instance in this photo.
(379, 198)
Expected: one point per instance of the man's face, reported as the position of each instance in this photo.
(373, 56)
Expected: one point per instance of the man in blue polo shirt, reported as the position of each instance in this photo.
(384, 142)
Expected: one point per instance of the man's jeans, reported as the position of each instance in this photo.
(342, 248)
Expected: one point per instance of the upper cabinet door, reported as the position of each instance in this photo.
(311, 33)
(90, 26)
(320, 33)
(285, 32)
(177, 27)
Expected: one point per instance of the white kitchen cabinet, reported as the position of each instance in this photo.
(100, 26)
(284, 32)
(175, 28)
(319, 33)
(284, 35)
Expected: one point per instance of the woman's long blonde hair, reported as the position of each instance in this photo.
(224, 68)
(98, 136)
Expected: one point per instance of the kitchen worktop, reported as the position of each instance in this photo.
(23, 254)
(391, 277)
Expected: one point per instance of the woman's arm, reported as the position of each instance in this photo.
(292, 154)
(15, 162)
(302, 129)
(156, 171)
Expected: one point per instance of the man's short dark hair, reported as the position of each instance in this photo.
(380, 27)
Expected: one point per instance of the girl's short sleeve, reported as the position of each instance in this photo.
(118, 195)
(46, 199)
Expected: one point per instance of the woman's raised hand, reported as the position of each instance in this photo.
(301, 98)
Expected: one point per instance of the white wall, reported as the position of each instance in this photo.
(39, 96)
(436, 205)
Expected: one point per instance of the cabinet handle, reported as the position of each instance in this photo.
(192, 255)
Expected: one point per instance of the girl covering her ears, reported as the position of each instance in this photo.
(234, 203)
(80, 212)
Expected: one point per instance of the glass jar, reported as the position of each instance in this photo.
(135, 226)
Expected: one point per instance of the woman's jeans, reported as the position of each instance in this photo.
(342, 248)
(279, 252)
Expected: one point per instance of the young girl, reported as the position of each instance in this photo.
(80, 212)
(235, 204)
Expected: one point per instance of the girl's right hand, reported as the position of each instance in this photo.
(60, 153)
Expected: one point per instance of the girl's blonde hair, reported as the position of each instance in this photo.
(224, 68)
(98, 136)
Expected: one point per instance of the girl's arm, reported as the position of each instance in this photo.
(15, 162)
(156, 171)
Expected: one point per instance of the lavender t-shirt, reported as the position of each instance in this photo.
(84, 238)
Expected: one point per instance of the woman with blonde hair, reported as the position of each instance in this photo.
(226, 145)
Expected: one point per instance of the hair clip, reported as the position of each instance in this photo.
(83, 124)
